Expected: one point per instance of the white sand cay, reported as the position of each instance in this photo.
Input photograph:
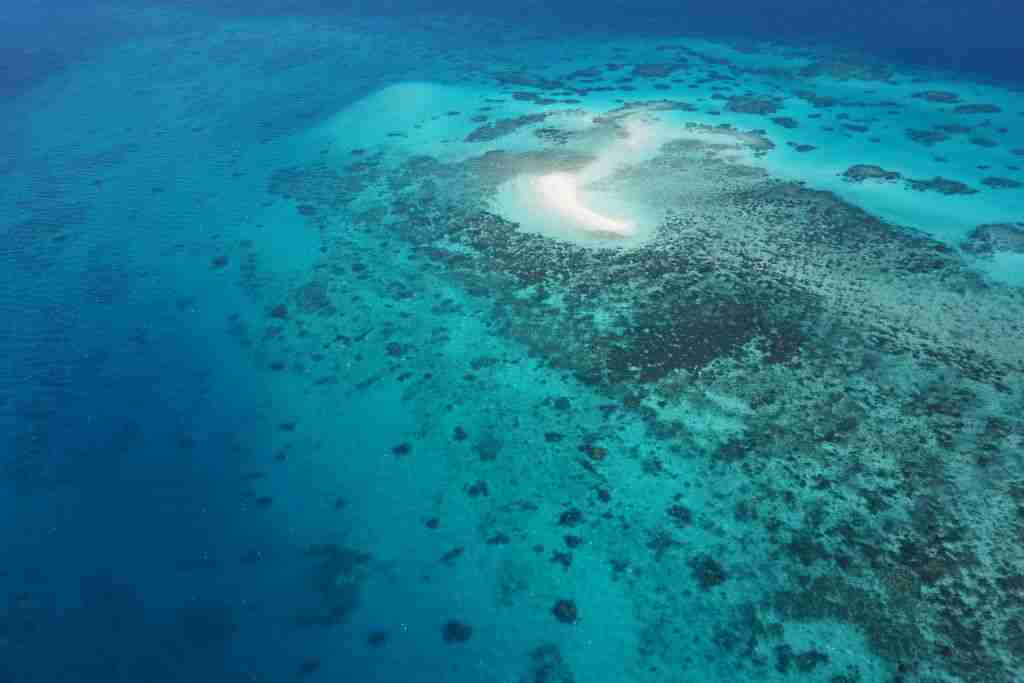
(557, 192)
(580, 206)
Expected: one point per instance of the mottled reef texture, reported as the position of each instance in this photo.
(883, 377)
(993, 238)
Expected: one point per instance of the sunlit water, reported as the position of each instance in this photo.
(600, 345)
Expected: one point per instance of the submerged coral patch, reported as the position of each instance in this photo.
(941, 96)
(995, 237)
(751, 104)
(862, 172)
(502, 127)
(999, 183)
(941, 185)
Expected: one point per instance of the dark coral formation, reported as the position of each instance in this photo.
(926, 137)
(998, 183)
(680, 514)
(953, 128)
(552, 135)
(816, 100)
(547, 665)
(570, 517)
(754, 140)
(565, 611)
(848, 69)
(313, 298)
(456, 632)
(657, 70)
(980, 141)
(523, 79)
(943, 96)
(862, 172)
(707, 572)
(977, 109)
(318, 187)
(992, 238)
(337, 578)
(941, 185)
(753, 104)
(502, 127)
(803, 662)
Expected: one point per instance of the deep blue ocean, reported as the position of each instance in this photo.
(537, 343)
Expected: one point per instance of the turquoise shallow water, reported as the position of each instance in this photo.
(308, 372)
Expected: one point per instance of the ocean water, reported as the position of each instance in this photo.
(420, 342)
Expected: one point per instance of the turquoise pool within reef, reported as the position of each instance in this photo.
(423, 346)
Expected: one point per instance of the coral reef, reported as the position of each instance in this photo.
(995, 237)
(941, 185)
(862, 172)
